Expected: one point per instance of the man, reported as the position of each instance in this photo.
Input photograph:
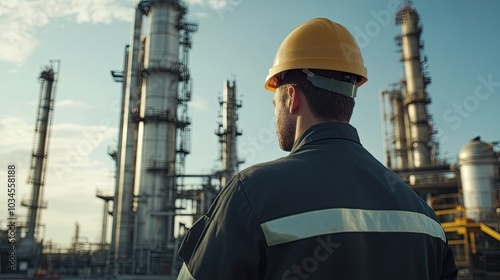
(328, 210)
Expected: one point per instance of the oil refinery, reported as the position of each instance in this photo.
(465, 194)
(153, 194)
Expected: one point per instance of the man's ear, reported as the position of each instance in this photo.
(294, 99)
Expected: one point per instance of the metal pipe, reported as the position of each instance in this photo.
(386, 126)
(104, 229)
(134, 244)
(195, 175)
(127, 151)
(117, 193)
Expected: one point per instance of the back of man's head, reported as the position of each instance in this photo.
(323, 104)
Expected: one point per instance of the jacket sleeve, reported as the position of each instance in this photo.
(449, 269)
(227, 242)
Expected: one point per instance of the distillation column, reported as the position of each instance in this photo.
(40, 150)
(395, 128)
(228, 132)
(157, 138)
(29, 248)
(145, 191)
(415, 97)
(399, 129)
(122, 233)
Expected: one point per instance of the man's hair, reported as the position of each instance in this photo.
(324, 104)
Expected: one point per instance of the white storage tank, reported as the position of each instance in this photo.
(479, 166)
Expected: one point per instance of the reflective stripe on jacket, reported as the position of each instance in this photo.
(328, 210)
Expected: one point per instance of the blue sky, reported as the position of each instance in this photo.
(236, 39)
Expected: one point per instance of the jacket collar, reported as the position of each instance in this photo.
(327, 130)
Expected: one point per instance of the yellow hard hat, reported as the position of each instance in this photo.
(318, 44)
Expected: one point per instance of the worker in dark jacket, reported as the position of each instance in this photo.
(328, 210)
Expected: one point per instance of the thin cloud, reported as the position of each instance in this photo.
(68, 103)
(16, 134)
(195, 2)
(199, 104)
(98, 11)
(221, 7)
(16, 44)
(73, 172)
(218, 4)
(22, 21)
(200, 15)
(71, 148)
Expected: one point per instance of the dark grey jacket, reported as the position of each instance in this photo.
(329, 210)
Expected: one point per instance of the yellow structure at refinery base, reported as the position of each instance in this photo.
(472, 241)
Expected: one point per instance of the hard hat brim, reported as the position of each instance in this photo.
(318, 44)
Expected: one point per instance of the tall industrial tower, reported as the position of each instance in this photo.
(48, 79)
(228, 131)
(154, 138)
(36, 178)
(411, 144)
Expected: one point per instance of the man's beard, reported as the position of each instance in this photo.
(285, 129)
